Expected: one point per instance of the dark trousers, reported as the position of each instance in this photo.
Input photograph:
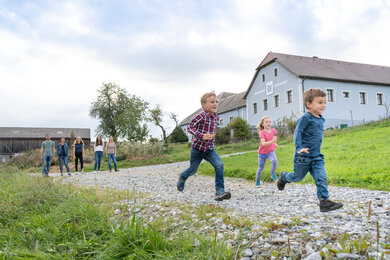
(79, 156)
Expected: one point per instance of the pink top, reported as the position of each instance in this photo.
(268, 137)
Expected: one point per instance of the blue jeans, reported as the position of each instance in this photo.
(111, 156)
(316, 167)
(213, 158)
(46, 164)
(98, 160)
(63, 159)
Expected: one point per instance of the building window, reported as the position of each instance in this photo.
(263, 77)
(254, 108)
(289, 96)
(329, 95)
(276, 99)
(275, 72)
(379, 98)
(265, 104)
(231, 119)
(362, 98)
(346, 94)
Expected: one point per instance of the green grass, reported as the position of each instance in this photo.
(43, 220)
(354, 157)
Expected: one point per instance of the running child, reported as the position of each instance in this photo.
(267, 136)
(308, 157)
(203, 126)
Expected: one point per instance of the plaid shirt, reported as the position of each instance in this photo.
(200, 124)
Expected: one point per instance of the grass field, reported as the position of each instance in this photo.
(354, 157)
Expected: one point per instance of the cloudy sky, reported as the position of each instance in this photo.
(54, 55)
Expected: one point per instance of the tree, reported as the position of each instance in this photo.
(119, 113)
(156, 116)
(178, 136)
(173, 116)
(241, 128)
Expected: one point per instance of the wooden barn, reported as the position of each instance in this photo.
(15, 140)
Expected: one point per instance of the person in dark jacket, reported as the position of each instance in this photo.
(62, 152)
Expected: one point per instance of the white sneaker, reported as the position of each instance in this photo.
(94, 171)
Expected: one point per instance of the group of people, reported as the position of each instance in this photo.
(308, 137)
(49, 149)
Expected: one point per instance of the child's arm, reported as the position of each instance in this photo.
(301, 125)
(192, 126)
(264, 143)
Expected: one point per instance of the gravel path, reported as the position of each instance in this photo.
(266, 203)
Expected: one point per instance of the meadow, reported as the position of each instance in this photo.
(356, 157)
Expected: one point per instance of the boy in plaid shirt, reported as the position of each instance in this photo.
(202, 127)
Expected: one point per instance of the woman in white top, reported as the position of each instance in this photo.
(99, 146)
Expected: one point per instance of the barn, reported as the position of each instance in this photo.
(15, 140)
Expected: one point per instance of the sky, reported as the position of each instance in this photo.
(55, 55)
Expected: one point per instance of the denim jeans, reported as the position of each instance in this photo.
(316, 167)
(63, 160)
(213, 158)
(46, 164)
(111, 156)
(98, 160)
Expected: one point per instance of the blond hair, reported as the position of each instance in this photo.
(310, 94)
(81, 140)
(205, 96)
(260, 125)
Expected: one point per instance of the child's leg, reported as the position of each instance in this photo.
(274, 162)
(213, 158)
(196, 158)
(302, 165)
(319, 175)
(262, 159)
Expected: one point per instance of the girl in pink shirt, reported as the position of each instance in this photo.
(267, 148)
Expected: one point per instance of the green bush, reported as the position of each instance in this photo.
(178, 136)
(136, 149)
(241, 128)
(222, 136)
(285, 125)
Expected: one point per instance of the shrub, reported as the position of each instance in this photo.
(222, 136)
(136, 149)
(241, 128)
(285, 125)
(178, 136)
(27, 159)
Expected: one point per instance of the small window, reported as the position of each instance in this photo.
(289, 96)
(276, 100)
(379, 98)
(362, 98)
(265, 104)
(330, 96)
(275, 72)
(263, 77)
(231, 119)
(254, 108)
(346, 94)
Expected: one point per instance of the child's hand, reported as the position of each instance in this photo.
(276, 145)
(304, 150)
(208, 136)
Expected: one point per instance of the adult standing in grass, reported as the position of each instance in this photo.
(308, 157)
(111, 153)
(47, 154)
(267, 136)
(203, 126)
(78, 153)
(62, 150)
(99, 146)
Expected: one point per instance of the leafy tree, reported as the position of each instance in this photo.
(178, 136)
(222, 135)
(156, 116)
(119, 113)
(241, 128)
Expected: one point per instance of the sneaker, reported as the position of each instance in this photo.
(280, 183)
(258, 182)
(180, 184)
(328, 205)
(69, 174)
(222, 195)
(274, 177)
(109, 170)
(94, 171)
(62, 174)
(116, 170)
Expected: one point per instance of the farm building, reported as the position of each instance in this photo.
(356, 93)
(14, 140)
(231, 105)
